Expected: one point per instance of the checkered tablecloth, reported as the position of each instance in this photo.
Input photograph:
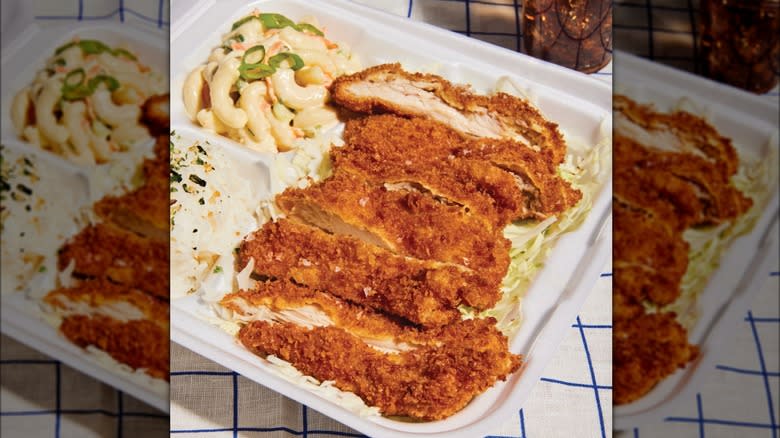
(39, 396)
(741, 396)
(574, 397)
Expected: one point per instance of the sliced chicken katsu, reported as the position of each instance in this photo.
(105, 251)
(678, 131)
(388, 88)
(403, 371)
(138, 343)
(425, 143)
(646, 349)
(482, 189)
(156, 114)
(649, 258)
(128, 324)
(144, 211)
(719, 199)
(422, 291)
(407, 223)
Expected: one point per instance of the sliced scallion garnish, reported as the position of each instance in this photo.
(296, 63)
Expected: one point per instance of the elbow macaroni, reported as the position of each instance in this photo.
(86, 103)
(262, 97)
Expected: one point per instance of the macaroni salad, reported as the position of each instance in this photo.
(266, 86)
(86, 104)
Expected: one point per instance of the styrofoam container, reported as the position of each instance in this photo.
(577, 102)
(22, 58)
(751, 123)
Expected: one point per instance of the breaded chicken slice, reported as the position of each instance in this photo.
(407, 223)
(649, 260)
(428, 374)
(647, 349)
(483, 190)
(105, 251)
(139, 343)
(128, 324)
(718, 198)
(156, 114)
(422, 291)
(677, 131)
(145, 210)
(426, 143)
(388, 88)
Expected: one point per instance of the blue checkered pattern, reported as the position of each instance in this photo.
(42, 397)
(578, 382)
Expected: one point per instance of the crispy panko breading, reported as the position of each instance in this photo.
(422, 291)
(105, 251)
(672, 172)
(427, 144)
(678, 131)
(144, 210)
(646, 349)
(431, 381)
(99, 295)
(139, 343)
(649, 260)
(482, 189)
(388, 88)
(156, 114)
(408, 223)
(719, 200)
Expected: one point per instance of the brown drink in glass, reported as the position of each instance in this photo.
(573, 33)
(740, 42)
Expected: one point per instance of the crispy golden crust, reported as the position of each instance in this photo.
(408, 223)
(102, 292)
(646, 349)
(355, 319)
(514, 116)
(691, 129)
(156, 114)
(649, 260)
(426, 144)
(423, 292)
(483, 190)
(105, 251)
(143, 211)
(137, 343)
(429, 382)
(719, 200)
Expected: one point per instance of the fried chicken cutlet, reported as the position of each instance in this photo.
(388, 88)
(646, 349)
(678, 131)
(401, 370)
(407, 223)
(649, 259)
(128, 324)
(396, 146)
(422, 291)
(105, 251)
(143, 211)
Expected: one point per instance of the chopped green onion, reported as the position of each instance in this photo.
(64, 47)
(275, 21)
(124, 53)
(256, 59)
(306, 27)
(110, 82)
(250, 72)
(276, 60)
(75, 78)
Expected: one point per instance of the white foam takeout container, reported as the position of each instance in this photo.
(577, 102)
(751, 123)
(22, 58)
